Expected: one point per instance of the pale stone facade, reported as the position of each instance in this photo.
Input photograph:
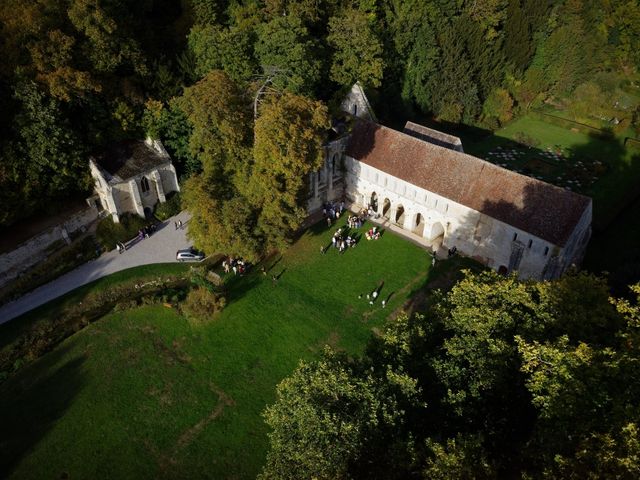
(422, 181)
(443, 222)
(132, 177)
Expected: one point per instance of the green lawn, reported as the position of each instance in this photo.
(145, 394)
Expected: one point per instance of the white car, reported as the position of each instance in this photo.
(189, 255)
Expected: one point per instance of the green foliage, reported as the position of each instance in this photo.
(356, 50)
(228, 49)
(531, 379)
(498, 106)
(421, 72)
(95, 63)
(108, 233)
(328, 414)
(57, 156)
(289, 134)
(455, 96)
(202, 304)
(217, 112)
(169, 124)
(168, 209)
(285, 44)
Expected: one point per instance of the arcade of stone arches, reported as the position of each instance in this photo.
(413, 221)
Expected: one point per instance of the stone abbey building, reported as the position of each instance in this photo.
(131, 177)
(422, 181)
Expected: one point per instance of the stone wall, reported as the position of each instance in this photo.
(39, 247)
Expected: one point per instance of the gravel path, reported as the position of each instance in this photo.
(159, 248)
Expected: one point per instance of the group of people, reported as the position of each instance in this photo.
(237, 265)
(372, 234)
(332, 211)
(370, 211)
(146, 232)
(355, 221)
(371, 297)
(341, 242)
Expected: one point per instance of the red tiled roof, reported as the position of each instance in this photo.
(546, 211)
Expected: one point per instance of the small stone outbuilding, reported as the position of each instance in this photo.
(132, 176)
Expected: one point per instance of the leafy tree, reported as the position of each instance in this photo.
(221, 221)
(455, 95)
(462, 457)
(356, 50)
(220, 138)
(489, 14)
(421, 74)
(170, 124)
(289, 134)
(57, 157)
(309, 11)
(285, 44)
(218, 112)
(107, 50)
(207, 12)
(228, 49)
(52, 58)
(327, 416)
(498, 106)
(502, 379)
(586, 398)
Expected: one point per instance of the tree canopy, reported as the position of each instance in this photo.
(499, 378)
(105, 66)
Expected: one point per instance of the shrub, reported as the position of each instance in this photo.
(169, 208)
(108, 233)
(526, 139)
(201, 304)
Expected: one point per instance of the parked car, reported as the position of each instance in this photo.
(189, 255)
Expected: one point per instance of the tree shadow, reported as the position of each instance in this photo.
(33, 401)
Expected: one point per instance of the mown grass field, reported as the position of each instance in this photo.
(145, 394)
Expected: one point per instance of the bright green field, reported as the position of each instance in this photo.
(145, 394)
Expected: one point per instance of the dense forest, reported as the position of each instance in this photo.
(77, 75)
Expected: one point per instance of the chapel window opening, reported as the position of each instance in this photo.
(530, 243)
(515, 237)
(144, 185)
(546, 251)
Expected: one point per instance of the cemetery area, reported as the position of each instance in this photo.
(602, 168)
(547, 152)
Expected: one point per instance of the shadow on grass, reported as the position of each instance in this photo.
(30, 405)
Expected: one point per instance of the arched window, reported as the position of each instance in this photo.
(144, 185)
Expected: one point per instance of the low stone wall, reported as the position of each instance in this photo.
(39, 247)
